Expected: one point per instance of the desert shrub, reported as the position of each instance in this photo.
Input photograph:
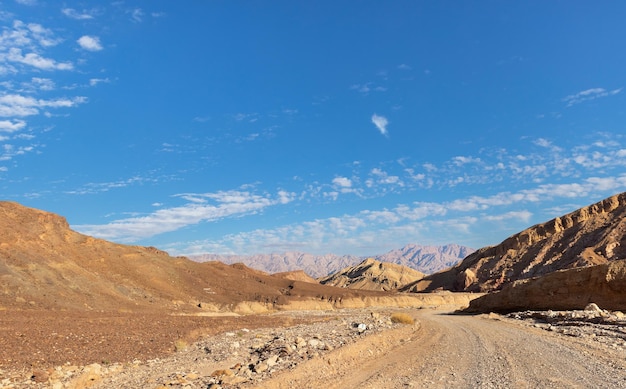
(402, 318)
(180, 345)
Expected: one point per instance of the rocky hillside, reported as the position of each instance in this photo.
(373, 275)
(46, 265)
(426, 259)
(570, 289)
(589, 236)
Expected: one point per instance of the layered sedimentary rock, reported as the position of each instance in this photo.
(592, 235)
(604, 285)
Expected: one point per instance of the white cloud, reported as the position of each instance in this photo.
(588, 95)
(45, 84)
(427, 222)
(44, 36)
(521, 215)
(342, 182)
(90, 43)
(37, 61)
(381, 123)
(11, 125)
(96, 81)
(18, 105)
(74, 14)
(460, 160)
(205, 207)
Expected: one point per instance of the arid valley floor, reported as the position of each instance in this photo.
(314, 349)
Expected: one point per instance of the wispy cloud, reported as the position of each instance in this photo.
(136, 15)
(200, 207)
(93, 188)
(588, 95)
(37, 61)
(90, 43)
(367, 88)
(381, 123)
(544, 161)
(96, 81)
(78, 15)
(440, 222)
(18, 105)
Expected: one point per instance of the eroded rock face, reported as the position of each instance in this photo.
(592, 235)
(573, 289)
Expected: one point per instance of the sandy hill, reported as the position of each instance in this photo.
(373, 275)
(589, 236)
(426, 259)
(296, 275)
(46, 265)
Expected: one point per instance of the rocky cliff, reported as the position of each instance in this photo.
(570, 289)
(589, 236)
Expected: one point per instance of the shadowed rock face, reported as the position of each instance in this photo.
(373, 275)
(570, 289)
(589, 236)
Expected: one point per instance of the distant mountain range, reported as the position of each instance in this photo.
(426, 259)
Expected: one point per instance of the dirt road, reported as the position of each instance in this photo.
(452, 351)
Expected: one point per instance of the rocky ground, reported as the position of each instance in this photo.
(364, 348)
(592, 323)
(240, 356)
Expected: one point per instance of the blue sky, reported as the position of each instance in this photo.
(324, 127)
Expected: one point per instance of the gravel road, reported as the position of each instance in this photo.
(453, 351)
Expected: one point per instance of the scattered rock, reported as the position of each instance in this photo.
(40, 376)
(592, 307)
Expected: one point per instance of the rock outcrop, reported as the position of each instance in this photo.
(373, 275)
(573, 289)
(592, 235)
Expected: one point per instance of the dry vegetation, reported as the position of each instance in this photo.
(402, 318)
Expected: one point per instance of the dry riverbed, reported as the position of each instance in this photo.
(362, 348)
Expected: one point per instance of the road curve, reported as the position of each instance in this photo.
(454, 351)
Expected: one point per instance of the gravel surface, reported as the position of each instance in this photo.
(364, 349)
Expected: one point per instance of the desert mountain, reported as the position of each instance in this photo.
(373, 275)
(426, 259)
(46, 265)
(589, 236)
